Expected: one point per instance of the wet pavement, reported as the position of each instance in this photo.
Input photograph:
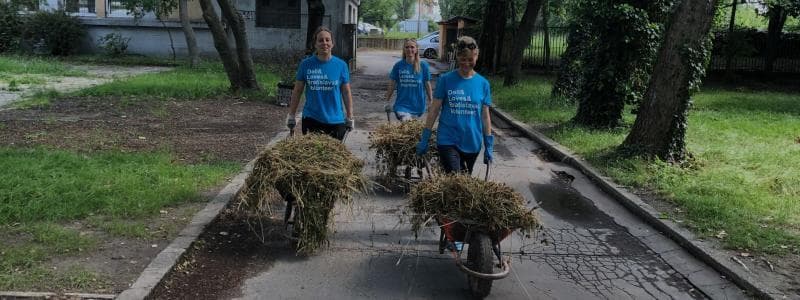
(590, 246)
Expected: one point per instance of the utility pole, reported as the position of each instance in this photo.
(419, 14)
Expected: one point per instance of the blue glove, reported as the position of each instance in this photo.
(422, 146)
(488, 148)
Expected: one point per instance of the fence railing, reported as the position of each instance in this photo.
(380, 43)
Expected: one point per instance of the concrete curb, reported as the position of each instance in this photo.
(681, 236)
(46, 295)
(170, 256)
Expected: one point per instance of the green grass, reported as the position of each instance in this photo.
(53, 185)
(126, 60)
(742, 180)
(206, 81)
(40, 98)
(13, 64)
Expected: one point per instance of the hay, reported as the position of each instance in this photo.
(395, 145)
(318, 170)
(461, 197)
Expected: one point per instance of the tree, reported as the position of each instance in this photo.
(660, 127)
(316, 14)
(188, 33)
(492, 35)
(618, 64)
(138, 8)
(778, 12)
(378, 12)
(238, 65)
(521, 41)
(404, 9)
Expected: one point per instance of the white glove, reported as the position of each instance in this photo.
(290, 121)
(351, 124)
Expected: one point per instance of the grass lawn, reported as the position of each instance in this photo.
(44, 192)
(744, 179)
(207, 80)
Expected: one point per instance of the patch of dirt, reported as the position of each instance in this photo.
(195, 131)
(226, 254)
(192, 131)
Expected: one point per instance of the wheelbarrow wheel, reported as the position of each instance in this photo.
(480, 259)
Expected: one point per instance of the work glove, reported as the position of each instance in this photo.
(387, 108)
(488, 148)
(351, 124)
(422, 146)
(290, 121)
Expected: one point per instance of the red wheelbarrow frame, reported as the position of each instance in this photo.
(453, 231)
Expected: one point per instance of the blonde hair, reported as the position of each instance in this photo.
(416, 63)
(466, 45)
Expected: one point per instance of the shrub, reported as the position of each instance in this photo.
(114, 43)
(10, 24)
(53, 32)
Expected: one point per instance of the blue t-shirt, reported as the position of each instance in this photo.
(410, 86)
(323, 81)
(460, 122)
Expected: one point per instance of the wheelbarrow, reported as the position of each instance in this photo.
(483, 246)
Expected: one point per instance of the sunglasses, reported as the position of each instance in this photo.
(470, 46)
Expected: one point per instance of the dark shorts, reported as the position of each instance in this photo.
(453, 160)
(336, 131)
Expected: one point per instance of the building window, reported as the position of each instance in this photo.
(80, 7)
(278, 13)
(116, 8)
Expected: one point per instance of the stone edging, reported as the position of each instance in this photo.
(46, 295)
(169, 257)
(681, 236)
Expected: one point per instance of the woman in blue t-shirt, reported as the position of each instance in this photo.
(462, 98)
(326, 80)
(411, 78)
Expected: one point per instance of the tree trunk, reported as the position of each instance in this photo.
(618, 68)
(546, 30)
(729, 39)
(521, 41)
(316, 14)
(570, 70)
(230, 64)
(247, 74)
(660, 127)
(494, 21)
(188, 32)
(777, 19)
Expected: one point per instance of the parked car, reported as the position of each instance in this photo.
(429, 45)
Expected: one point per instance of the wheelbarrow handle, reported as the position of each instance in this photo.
(488, 166)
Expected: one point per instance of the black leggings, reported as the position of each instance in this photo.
(453, 160)
(336, 131)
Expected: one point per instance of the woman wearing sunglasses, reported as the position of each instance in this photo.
(411, 78)
(326, 81)
(461, 101)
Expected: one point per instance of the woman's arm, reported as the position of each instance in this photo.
(487, 120)
(433, 113)
(347, 98)
(390, 91)
(428, 92)
(296, 92)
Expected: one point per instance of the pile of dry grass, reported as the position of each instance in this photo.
(317, 170)
(461, 197)
(395, 145)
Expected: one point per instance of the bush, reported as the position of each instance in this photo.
(114, 43)
(55, 33)
(10, 25)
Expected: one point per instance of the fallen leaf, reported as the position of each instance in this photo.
(745, 254)
(721, 234)
(142, 138)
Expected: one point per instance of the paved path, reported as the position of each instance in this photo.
(595, 248)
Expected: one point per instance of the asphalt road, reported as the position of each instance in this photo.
(590, 247)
